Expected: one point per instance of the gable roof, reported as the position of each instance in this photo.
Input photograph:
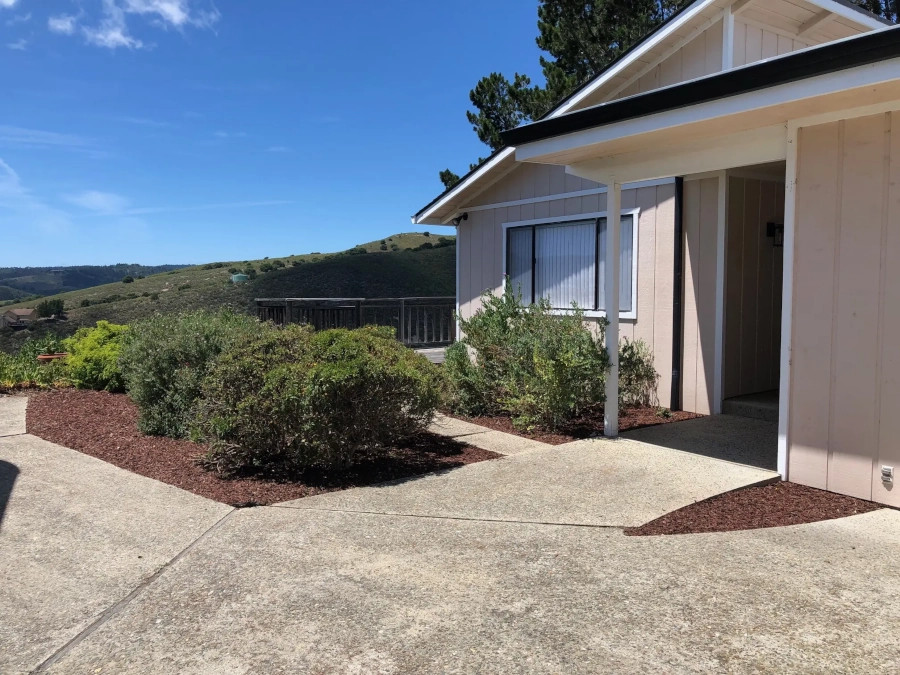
(20, 312)
(823, 59)
(501, 161)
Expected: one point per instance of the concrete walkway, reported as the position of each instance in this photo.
(104, 571)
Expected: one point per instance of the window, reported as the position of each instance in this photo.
(564, 262)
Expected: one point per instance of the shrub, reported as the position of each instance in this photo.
(278, 263)
(287, 399)
(427, 234)
(93, 360)
(86, 302)
(540, 368)
(383, 247)
(469, 390)
(24, 370)
(128, 279)
(395, 247)
(49, 308)
(266, 267)
(357, 250)
(183, 287)
(165, 359)
(233, 270)
(637, 376)
(424, 246)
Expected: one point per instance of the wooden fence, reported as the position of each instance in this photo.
(419, 322)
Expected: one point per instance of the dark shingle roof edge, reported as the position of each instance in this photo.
(829, 58)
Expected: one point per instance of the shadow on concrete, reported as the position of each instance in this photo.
(8, 474)
(727, 437)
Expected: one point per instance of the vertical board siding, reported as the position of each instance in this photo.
(753, 273)
(701, 207)
(844, 367)
(701, 56)
(754, 43)
(481, 249)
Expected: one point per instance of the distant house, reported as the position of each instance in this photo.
(18, 318)
(727, 191)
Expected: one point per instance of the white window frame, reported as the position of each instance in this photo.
(558, 220)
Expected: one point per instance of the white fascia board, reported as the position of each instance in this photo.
(849, 13)
(862, 76)
(686, 17)
(427, 217)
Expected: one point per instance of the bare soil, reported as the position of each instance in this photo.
(774, 505)
(589, 425)
(105, 426)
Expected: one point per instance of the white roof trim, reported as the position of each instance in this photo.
(852, 78)
(849, 13)
(566, 106)
(663, 33)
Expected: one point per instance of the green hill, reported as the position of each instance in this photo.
(409, 271)
(29, 281)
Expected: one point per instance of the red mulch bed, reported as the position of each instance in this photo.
(773, 505)
(105, 426)
(589, 425)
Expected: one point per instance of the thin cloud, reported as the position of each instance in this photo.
(18, 45)
(205, 207)
(19, 18)
(37, 138)
(8, 4)
(230, 134)
(278, 148)
(102, 203)
(112, 31)
(64, 24)
(20, 208)
(143, 122)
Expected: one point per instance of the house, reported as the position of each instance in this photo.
(729, 192)
(18, 318)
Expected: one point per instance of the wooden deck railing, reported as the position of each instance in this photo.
(419, 322)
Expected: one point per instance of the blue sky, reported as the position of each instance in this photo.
(182, 131)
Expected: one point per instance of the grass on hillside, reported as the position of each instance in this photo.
(406, 272)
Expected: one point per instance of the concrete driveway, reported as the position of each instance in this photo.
(108, 572)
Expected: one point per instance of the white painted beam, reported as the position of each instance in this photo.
(815, 22)
(721, 229)
(757, 146)
(728, 39)
(740, 6)
(613, 262)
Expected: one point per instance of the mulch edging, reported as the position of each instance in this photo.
(587, 426)
(104, 426)
(774, 505)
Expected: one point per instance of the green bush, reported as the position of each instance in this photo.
(165, 359)
(48, 308)
(266, 267)
(540, 368)
(93, 360)
(128, 279)
(637, 376)
(24, 370)
(286, 399)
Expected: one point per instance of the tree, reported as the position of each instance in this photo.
(49, 308)
(128, 279)
(580, 39)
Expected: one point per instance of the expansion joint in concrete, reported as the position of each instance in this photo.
(118, 607)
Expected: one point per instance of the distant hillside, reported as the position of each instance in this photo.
(413, 269)
(52, 280)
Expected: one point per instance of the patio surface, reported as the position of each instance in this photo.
(105, 571)
(753, 442)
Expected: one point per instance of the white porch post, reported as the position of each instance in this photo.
(613, 262)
